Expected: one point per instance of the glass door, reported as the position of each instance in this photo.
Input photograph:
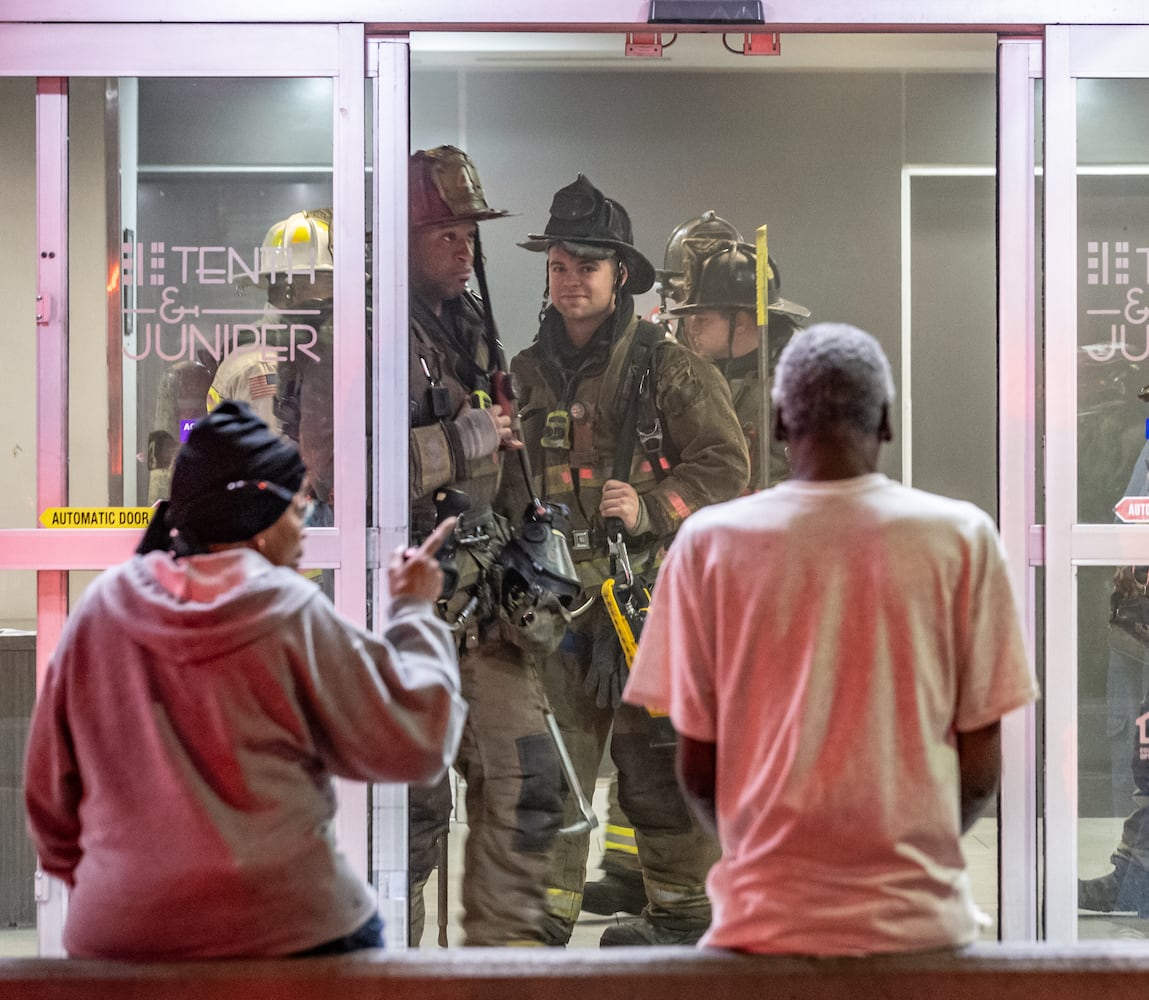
(159, 176)
(1097, 421)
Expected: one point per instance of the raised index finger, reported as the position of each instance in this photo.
(434, 541)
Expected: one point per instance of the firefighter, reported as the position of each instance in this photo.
(300, 257)
(599, 385)
(716, 305)
(720, 322)
(179, 404)
(458, 440)
(295, 265)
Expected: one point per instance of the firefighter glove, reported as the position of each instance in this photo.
(606, 672)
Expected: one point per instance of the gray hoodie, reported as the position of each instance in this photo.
(180, 754)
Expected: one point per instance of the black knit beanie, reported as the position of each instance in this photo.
(233, 478)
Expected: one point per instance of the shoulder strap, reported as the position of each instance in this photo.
(635, 386)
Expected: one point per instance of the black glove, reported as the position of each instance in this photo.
(607, 671)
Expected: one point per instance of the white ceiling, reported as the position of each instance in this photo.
(696, 51)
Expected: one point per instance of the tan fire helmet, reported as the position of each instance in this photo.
(444, 186)
(691, 240)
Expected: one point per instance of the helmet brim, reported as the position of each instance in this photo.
(493, 213)
(784, 306)
(690, 309)
(789, 308)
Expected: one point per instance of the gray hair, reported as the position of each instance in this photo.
(832, 374)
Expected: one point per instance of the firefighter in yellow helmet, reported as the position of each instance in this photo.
(295, 264)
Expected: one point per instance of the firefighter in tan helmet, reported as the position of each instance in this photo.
(720, 321)
(460, 441)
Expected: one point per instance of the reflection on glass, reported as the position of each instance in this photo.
(1113, 299)
(215, 277)
(17, 694)
(1113, 750)
(1113, 484)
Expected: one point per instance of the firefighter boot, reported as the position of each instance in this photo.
(652, 931)
(1124, 890)
(620, 890)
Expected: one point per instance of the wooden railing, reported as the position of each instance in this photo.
(1092, 970)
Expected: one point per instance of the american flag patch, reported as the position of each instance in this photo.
(261, 385)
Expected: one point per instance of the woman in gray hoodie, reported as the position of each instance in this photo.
(179, 763)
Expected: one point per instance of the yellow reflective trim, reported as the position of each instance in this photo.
(620, 839)
(213, 399)
(564, 904)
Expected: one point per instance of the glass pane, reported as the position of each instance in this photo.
(18, 285)
(17, 695)
(1113, 779)
(839, 225)
(1113, 409)
(1113, 299)
(185, 286)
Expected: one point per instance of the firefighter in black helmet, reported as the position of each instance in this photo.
(626, 428)
(458, 439)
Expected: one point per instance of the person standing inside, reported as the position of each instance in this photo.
(203, 695)
(628, 430)
(709, 282)
(458, 438)
(295, 265)
(720, 322)
(836, 653)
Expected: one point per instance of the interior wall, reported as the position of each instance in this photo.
(816, 156)
(87, 295)
(18, 337)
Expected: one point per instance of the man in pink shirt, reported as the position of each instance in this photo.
(836, 653)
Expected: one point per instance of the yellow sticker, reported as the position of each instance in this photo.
(96, 517)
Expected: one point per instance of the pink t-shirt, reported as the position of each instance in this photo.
(831, 638)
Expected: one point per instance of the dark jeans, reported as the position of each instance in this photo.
(370, 935)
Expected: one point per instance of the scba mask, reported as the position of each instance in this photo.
(536, 562)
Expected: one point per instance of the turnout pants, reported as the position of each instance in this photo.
(514, 797)
(674, 851)
(514, 789)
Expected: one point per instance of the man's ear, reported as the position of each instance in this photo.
(885, 431)
(779, 432)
